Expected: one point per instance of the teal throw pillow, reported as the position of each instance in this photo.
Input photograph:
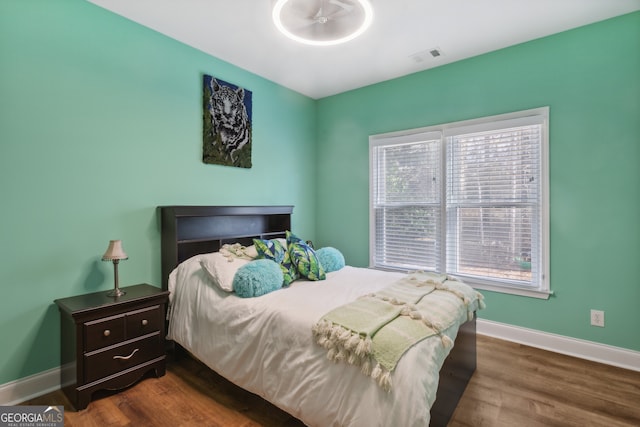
(257, 278)
(330, 258)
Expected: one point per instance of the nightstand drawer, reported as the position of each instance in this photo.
(100, 364)
(145, 321)
(103, 332)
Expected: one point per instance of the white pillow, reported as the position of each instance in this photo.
(221, 269)
(251, 251)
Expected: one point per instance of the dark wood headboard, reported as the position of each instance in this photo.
(191, 230)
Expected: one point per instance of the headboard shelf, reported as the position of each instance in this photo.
(192, 230)
(269, 235)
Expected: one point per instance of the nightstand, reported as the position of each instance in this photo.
(110, 343)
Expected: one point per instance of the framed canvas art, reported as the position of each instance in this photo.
(227, 123)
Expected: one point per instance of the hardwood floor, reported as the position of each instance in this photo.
(514, 385)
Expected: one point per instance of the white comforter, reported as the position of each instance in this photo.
(265, 345)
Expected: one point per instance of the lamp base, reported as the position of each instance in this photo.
(116, 293)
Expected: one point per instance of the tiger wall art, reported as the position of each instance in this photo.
(227, 130)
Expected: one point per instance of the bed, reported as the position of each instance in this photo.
(272, 353)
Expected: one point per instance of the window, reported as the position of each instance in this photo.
(468, 198)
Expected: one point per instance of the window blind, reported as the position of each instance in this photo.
(407, 201)
(493, 203)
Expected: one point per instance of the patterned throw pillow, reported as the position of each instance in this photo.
(275, 251)
(289, 270)
(304, 258)
(270, 249)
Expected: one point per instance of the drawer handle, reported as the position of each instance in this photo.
(106, 333)
(145, 322)
(126, 357)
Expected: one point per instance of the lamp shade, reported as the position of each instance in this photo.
(114, 251)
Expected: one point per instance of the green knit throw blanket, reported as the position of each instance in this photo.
(375, 330)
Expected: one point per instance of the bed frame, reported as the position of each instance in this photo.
(191, 230)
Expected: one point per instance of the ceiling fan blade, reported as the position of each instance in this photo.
(339, 8)
(302, 9)
(320, 11)
(346, 6)
(303, 27)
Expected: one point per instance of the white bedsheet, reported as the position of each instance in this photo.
(265, 345)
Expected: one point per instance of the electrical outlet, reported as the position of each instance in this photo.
(597, 318)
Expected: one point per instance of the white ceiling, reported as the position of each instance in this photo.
(242, 33)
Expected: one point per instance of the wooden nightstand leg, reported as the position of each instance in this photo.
(82, 401)
(161, 370)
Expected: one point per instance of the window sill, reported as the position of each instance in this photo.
(508, 290)
(484, 286)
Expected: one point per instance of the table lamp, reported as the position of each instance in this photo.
(115, 253)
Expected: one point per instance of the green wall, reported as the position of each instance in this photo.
(590, 79)
(101, 122)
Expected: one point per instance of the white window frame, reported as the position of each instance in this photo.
(537, 116)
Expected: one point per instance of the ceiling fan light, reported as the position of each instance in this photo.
(346, 20)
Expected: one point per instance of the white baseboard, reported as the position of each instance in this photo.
(602, 353)
(18, 391)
